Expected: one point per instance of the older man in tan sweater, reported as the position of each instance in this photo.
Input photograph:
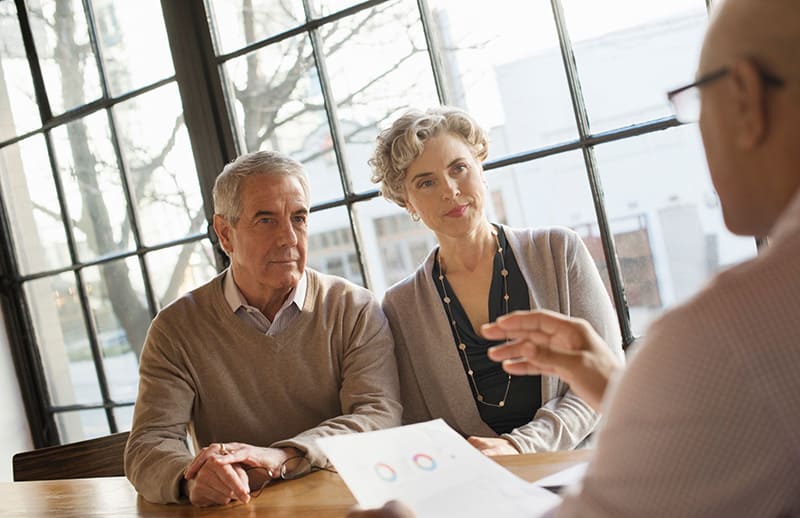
(263, 359)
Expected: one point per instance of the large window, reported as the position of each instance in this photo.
(109, 113)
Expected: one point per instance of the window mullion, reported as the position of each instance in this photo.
(22, 341)
(82, 295)
(582, 121)
(98, 56)
(205, 110)
(42, 101)
(435, 56)
(339, 145)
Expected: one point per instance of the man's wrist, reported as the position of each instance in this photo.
(291, 451)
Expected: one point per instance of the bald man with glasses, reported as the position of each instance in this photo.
(704, 420)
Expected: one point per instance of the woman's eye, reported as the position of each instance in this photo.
(424, 183)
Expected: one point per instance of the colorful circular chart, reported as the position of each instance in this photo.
(385, 472)
(424, 461)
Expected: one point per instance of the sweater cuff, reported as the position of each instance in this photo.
(520, 446)
(309, 448)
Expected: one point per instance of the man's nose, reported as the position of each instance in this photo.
(288, 234)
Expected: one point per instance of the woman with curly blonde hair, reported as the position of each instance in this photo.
(429, 162)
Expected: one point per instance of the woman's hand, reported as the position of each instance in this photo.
(493, 445)
(545, 342)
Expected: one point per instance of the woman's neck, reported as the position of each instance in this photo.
(467, 253)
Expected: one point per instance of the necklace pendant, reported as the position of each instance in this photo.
(502, 403)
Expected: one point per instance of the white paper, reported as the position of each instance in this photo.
(434, 470)
(565, 477)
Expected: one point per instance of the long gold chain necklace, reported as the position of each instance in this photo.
(461, 345)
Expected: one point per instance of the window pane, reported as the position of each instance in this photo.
(505, 67)
(394, 245)
(629, 53)
(158, 155)
(666, 218)
(86, 424)
(121, 317)
(278, 105)
(178, 269)
(18, 111)
(124, 417)
(237, 23)
(393, 73)
(92, 187)
(132, 57)
(551, 191)
(63, 341)
(65, 54)
(32, 204)
(325, 7)
(331, 248)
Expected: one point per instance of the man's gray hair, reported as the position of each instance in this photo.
(227, 188)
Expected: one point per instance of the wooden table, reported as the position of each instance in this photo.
(321, 494)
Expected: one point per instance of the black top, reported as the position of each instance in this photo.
(525, 392)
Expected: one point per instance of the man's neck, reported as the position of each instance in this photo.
(267, 300)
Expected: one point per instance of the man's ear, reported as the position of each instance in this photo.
(749, 104)
(223, 229)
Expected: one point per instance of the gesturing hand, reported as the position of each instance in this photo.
(545, 342)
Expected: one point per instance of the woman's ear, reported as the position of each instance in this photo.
(749, 104)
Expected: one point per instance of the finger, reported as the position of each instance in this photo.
(198, 462)
(233, 483)
(514, 349)
(208, 490)
(547, 360)
(542, 320)
(477, 442)
(521, 367)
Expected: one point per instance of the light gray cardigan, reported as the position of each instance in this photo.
(561, 276)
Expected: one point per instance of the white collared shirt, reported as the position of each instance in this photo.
(254, 317)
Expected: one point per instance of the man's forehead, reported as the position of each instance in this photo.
(272, 193)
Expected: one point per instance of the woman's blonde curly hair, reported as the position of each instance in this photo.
(403, 142)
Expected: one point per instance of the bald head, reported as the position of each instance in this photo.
(767, 31)
(750, 121)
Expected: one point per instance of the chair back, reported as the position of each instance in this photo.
(100, 457)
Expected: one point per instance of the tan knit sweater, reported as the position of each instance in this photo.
(203, 370)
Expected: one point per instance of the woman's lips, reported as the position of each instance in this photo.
(457, 211)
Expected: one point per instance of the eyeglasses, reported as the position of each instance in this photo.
(686, 99)
(292, 468)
